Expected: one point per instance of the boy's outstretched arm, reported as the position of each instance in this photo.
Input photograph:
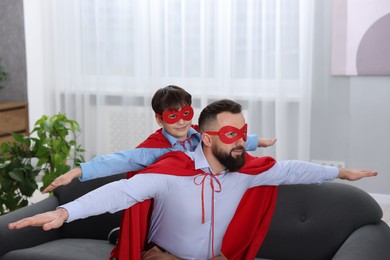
(110, 164)
(64, 179)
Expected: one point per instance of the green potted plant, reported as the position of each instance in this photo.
(17, 174)
(3, 76)
(55, 146)
(50, 149)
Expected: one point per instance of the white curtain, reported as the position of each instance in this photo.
(103, 61)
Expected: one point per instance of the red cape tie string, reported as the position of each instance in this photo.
(183, 143)
(203, 176)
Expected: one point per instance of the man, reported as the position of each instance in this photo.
(192, 213)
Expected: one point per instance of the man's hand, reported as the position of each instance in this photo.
(48, 220)
(355, 174)
(63, 179)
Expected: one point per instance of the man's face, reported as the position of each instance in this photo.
(230, 155)
(176, 122)
(228, 159)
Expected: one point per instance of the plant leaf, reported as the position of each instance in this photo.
(18, 137)
(42, 152)
(16, 174)
(27, 188)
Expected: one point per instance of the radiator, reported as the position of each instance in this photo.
(125, 127)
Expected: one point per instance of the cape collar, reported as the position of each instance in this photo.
(201, 162)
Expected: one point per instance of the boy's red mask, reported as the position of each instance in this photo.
(173, 116)
(230, 134)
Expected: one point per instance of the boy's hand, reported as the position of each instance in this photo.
(63, 179)
(355, 174)
(265, 142)
(48, 220)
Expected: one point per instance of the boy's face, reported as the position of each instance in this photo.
(176, 122)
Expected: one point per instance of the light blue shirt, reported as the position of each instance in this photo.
(137, 159)
(176, 220)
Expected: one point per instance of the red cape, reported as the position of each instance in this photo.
(246, 231)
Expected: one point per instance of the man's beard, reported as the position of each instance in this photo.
(231, 163)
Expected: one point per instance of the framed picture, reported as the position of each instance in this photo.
(361, 38)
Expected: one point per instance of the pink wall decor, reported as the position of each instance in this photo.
(361, 38)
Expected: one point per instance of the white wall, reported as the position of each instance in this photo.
(34, 56)
(350, 115)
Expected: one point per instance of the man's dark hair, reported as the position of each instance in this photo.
(170, 97)
(210, 112)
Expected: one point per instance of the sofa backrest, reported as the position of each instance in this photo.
(96, 227)
(313, 221)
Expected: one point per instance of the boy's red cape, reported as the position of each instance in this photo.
(247, 229)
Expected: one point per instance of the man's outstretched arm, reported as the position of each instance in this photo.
(111, 197)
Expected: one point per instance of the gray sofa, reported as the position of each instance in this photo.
(328, 221)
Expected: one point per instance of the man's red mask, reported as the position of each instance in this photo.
(230, 134)
(173, 116)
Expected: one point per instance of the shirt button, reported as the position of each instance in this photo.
(202, 241)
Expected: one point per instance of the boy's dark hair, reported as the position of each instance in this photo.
(210, 112)
(170, 97)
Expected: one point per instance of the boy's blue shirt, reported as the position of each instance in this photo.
(139, 158)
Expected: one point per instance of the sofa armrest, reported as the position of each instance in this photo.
(367, 242)
(313, 221)
(30, 236)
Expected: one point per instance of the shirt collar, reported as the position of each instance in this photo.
(172, 140)
(201, 161)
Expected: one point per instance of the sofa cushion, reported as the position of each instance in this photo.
(64, 249)
(312, 223)
(14, 239)
(369, 236)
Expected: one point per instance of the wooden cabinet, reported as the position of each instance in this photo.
(13, 119)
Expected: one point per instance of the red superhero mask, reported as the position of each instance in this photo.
(173, 116)
(230, 134)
